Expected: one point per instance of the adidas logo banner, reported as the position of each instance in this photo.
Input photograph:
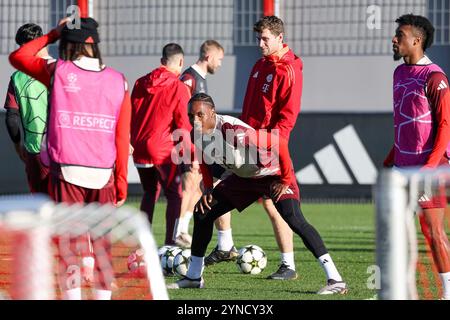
(332, 165)
(338, 155)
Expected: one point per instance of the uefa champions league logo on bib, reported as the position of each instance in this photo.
(72, 78)
(72, 81)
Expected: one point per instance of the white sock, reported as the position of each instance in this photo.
(184, 225)
(88, 262)
(72, 294)
(176, 229)
(101, 294)
(445, 278)
(225, 240)
(287, 258)
(196, 267)
(330, 269)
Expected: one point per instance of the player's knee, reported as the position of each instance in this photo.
(295, 219)
(291, 215)
(202, 218)
(297, 225)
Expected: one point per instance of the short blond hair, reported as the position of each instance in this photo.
(206, 46)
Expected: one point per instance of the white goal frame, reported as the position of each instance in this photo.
(396, 196)
(34, 220)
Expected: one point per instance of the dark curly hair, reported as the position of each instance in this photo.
(422, 25)
(202, 97)
(28, 32)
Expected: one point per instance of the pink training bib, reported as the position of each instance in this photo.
(84, 108)
(413, 117)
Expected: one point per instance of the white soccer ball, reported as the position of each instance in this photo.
(251, 259)
(167, 260)
(163, 250)
(181, 262)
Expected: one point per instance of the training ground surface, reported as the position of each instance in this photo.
(348, 231)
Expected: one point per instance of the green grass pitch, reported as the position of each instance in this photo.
(348, 231)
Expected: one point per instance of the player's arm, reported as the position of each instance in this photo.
(204, 203)
(122, 149)
(180, 116)
(137, 99)
(207, 175)
(289, 98)
(25, 59)
(285, 162)
(279, 188)
(439, 96)
(246, 106)
(12, 114)
(264, 140)
(208, 184)
(13, 121)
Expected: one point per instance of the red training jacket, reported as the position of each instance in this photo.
(274, 90)
(159, 106)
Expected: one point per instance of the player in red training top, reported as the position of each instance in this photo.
(272, 101)
(159, 106)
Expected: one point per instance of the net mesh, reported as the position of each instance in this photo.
(413, 224)
(47, 250)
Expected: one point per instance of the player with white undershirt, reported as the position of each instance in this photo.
(228, 141)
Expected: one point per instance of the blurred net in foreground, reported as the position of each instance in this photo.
(43, 246)
(409, 267)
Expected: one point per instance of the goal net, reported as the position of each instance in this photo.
(409, 268)
(48, 249)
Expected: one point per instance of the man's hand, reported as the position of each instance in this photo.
(62, 23)
(204, 202)
(194, 167)
(277, 189)
(119, 203)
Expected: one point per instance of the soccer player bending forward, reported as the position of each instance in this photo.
(233, 142)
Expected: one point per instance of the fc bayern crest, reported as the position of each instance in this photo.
(269, 78)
